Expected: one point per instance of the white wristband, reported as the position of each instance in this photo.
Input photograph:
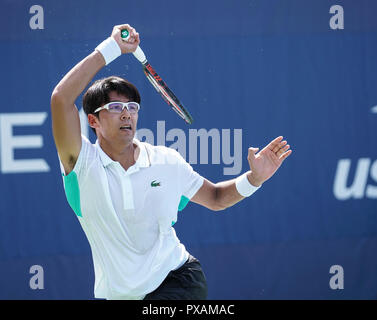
(109, 49)
(244, 187)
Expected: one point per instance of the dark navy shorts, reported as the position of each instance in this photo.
(186, 283)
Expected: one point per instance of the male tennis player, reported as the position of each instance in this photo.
(126, 193)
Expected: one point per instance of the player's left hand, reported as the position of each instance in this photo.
(264, 164)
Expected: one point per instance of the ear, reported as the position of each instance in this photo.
(93, 121)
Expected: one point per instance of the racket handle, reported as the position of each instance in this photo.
(139, 54)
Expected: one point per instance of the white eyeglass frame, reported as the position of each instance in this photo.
(124, 105)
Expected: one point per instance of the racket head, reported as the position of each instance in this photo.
(166, 93)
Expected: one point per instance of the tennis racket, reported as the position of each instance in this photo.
(158, 83)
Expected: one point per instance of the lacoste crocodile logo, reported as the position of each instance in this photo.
(155, 184)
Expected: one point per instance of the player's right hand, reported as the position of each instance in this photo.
(133, 41)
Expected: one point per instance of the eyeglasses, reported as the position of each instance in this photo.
(118, 107)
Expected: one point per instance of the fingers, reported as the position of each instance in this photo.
(280, 148)
(280, 151)
(137, 37)
(285, 155)
(118, 28)
(133, 36)
(133, 39)
(121, 27)
(274, 143)
(283, 152)
(132, 32)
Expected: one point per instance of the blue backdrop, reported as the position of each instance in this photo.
(248, 71)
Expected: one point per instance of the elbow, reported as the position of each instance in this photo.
(221, 203)
(59, 100)
(61, 97)
(56, 98)
(216, 203)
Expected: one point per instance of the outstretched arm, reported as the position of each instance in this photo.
(65, 116)
(263, 165)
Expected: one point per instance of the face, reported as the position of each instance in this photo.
(115, 127)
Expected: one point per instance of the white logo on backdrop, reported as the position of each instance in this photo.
(37, 20)
(337, 20)
(220, 149)
(177, 139)
(337, 280)
(9, 143)
(357, 187)
(37, 280)
(214, 145)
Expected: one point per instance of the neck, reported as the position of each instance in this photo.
(124, 154)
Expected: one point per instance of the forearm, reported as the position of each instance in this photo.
(225, 194)
(228, 192)
(65, 116)
(76, 80)
(263, 165)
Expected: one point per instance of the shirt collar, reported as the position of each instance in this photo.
(143, 159)
(141, 162)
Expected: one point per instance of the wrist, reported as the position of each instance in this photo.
(244, 187)
(109, 49)
(253, 180)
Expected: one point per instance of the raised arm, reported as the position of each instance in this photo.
(65, 116)
(263, 165)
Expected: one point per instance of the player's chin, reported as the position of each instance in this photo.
(127, 134)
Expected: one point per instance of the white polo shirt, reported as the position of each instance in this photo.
(128, 216)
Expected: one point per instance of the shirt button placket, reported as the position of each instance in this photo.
(127, 193)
